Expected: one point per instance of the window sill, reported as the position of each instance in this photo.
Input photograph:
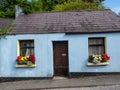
(26, 66)
(99, 64)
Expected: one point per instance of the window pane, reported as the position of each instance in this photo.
(26, 47)
(22, 44)
(22, 52)
(32, 51)
(96, 50)
(32, 44)
(26, 43)
(96, 41)
(96, 46)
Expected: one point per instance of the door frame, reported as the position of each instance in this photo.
(67, 56)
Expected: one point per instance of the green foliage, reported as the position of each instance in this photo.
(53, 3)
(76, 5)
(26, 6)
(5, 30)
(7, 13)
(7, 7)
(46, 5)
(36, 5)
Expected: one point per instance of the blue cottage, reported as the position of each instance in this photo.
(61, 44)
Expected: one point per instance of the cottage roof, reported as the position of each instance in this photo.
(5, 21)
(91, 21)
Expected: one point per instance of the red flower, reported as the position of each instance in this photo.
(106, 57)
(32, 58)
(18, 58)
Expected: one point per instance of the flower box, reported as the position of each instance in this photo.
(98, 64)
(25, 66)
(97, 60)
(26, 61)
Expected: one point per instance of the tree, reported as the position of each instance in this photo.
(7, 7)
(93, 1)
(36, 5)
(77, 5)
(55, 2)
(5, 30)
(25, 5)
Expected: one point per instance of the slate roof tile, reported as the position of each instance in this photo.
(5, 21)
(68, 22)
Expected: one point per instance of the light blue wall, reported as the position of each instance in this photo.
(78, 54)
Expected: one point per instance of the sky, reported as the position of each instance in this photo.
(114, 5)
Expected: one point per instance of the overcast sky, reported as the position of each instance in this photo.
(114, 5)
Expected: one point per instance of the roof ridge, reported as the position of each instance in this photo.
(74, 11)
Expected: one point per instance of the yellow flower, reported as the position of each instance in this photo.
(100, 58)
(23, 58)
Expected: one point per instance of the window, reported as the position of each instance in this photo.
(96, 46)
(26, 56)
(97, 55)
(26, 47)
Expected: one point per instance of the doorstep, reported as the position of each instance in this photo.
(59, 77)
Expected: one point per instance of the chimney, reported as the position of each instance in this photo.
(18, 11)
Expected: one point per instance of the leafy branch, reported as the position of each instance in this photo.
(4, 31)
(7, 7)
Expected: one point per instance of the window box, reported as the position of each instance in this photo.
(24, 60)
(98, 64)
(24, 66)
(97, 60)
